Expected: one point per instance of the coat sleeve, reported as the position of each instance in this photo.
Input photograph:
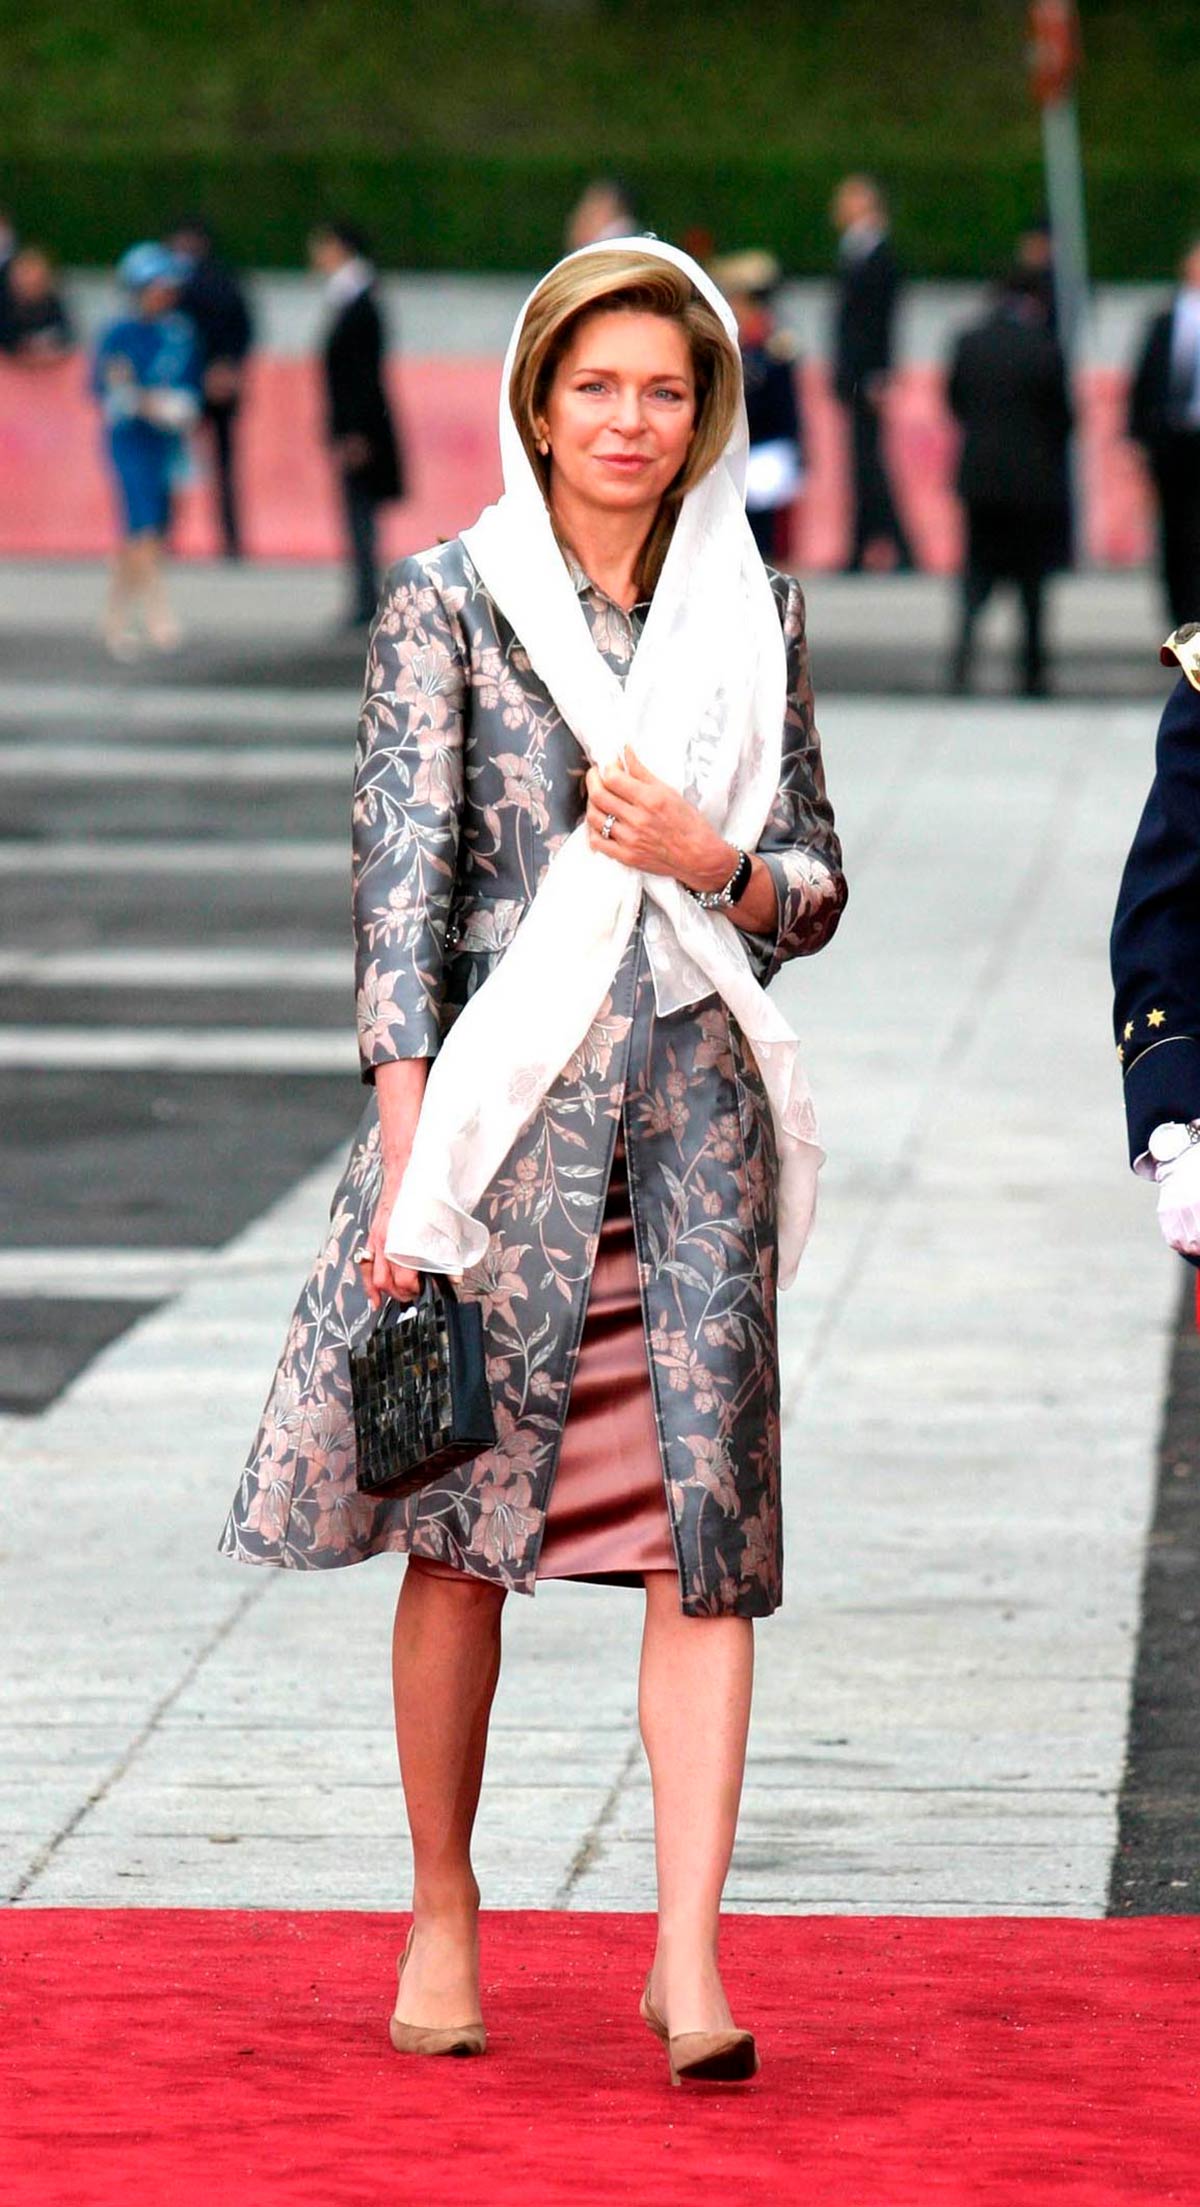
(1060, 404)
(956, 380)
(887, 288)
(1150, 386)
(408, 790)
(356, 367)
(1156, 936)
(239, 331)
(799, 845)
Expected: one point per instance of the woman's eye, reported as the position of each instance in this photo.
(664, 391)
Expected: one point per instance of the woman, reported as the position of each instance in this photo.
(147, 377)
(584, 1105)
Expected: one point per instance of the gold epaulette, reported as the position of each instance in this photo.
(1183, 648)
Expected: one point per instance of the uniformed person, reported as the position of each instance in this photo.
(1156, 962)
(775, 461)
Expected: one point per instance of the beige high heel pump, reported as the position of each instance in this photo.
(418, 2038)
(703, 2057)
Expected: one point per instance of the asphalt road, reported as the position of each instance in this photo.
(974, 1356)
(166, 871)
(172, 857)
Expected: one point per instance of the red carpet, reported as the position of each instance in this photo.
(166, 2057)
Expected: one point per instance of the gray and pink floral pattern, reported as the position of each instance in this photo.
(467, 782)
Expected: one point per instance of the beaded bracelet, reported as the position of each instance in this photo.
(711, 900)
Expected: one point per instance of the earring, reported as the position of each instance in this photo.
(543, 444)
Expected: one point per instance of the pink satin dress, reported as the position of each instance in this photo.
(607, 1516)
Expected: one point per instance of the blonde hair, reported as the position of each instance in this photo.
(627, 281)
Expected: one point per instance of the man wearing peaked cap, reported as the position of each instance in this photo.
(775, 467)
(1156, 962)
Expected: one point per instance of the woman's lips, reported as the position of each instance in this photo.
(626, 461)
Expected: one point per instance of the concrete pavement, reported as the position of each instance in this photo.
(263, 652)
(973, 1357)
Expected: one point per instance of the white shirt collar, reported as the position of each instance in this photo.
(1185, 351)
(347, 282)
(860, 239)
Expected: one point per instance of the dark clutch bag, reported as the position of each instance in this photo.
(419, 1386)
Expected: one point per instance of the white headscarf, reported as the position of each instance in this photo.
(703, 707)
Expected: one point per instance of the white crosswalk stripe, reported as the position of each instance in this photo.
(159, 708)
(167, 967)
(140, 855)
(144, 1275)
(194, 763)
(180, 1049)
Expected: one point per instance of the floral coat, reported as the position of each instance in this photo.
(467, 782)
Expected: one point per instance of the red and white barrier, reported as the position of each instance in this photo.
(56, 498)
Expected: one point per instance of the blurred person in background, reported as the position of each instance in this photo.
(37, 331)
(215, 303)
(1008, 391)
(361, 433)
(1164, 418)
(605, 210)
(775, 464)
(147, 377)
(867, 288)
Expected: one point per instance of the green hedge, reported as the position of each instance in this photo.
(506, 212)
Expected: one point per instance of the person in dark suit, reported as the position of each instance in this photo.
(1007, 388)
(1164, 418)
(868, 282)
(37, 329)
(361, 432)
(1156, 962)
(215, 304)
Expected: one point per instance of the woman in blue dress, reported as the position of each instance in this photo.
(147, 377)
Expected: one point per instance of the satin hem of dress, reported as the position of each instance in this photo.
(440, 1570)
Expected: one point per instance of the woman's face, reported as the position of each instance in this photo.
(621, 411)
(155, 299)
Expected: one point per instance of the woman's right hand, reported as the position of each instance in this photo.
(380, 1276)
(399, 1090)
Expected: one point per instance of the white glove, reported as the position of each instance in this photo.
(1179, 1201)
(169, 409)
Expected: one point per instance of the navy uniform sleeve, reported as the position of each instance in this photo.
(1156, 936)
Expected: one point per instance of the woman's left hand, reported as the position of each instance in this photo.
(653, 827)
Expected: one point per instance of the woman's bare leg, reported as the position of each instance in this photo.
(161, 625)
(694, 1709)
(120, 609)
(445, 1664)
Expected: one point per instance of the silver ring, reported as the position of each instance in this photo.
(363, 1255)
(608, 824)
